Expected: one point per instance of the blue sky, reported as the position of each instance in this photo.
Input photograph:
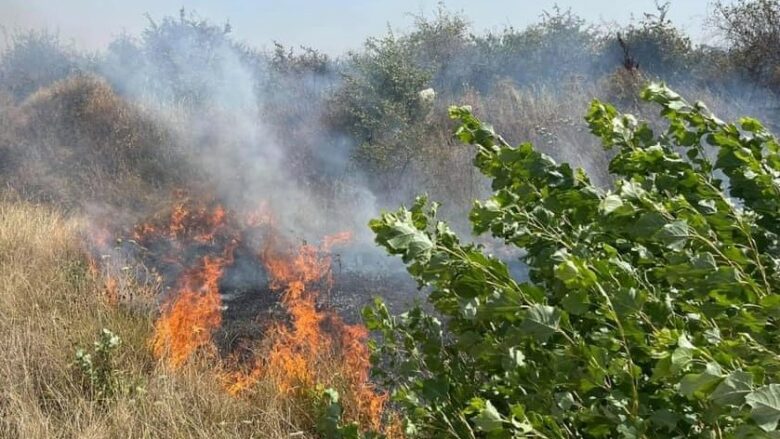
(333, 26)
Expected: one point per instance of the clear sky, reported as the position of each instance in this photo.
(333, 26)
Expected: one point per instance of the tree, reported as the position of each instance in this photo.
(379, 105)
(190, 61)
(36, 59)
(651, 310)
(752, 28)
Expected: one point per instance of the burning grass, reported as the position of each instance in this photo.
(53, 301)
(309, 346)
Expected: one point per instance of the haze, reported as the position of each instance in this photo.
(334, 26)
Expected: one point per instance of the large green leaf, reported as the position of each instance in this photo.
(697, 385)
(674, 234)
(733, 389)
(488, 419)
(541, 322)
(765, 404)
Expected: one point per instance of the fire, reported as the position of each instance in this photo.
(112, 290)
(193, 241)
(196, 243)
(189, 319)
(260, 216)
(110, 284)
(188, 220)
(299, 348)
(369, 404)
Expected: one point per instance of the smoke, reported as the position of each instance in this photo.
(286, 129)
(212, 96)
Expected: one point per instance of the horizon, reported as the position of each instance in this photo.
(325, 27)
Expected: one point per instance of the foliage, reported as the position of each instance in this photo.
(560, 46)
(310, 60)
(657, 45)
(98, 369)
(442, 45)
(651, 309)
(330, 424)
(36, 59)
(184, 60)
(752, 28)
(379, 105)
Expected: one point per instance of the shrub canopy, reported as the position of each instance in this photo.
(651, 309)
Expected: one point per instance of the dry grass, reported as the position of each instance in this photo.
(77, 142)
(80, 149)
(50, 305)
(551, 119)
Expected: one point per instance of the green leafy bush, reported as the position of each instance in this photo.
(330, 424)
(660, 48)
(98, 371)
(379, 105)
(651, 310)
(752, 30)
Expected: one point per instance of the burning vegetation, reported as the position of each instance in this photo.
(217, 270)
(237, 306)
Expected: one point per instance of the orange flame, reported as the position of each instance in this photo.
(298, 348)
(112, 290)
(109, 283)
(194, 310)
(302, 351)
(369, 404)
(189, 319)
(339, 238)
(260, 216)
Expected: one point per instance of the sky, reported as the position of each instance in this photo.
(334, 26)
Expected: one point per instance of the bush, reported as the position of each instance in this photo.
(378, 105)
(658, 47)
(752, 29)
(651, 309)
(561, 46)
(34, 60)
(77, 142)
(98, 370)
(184, 61)
(443, 46)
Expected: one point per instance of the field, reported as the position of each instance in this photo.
(193, 233)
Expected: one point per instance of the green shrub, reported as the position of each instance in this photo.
(752, 30)
(651, 310)
(98, 370)
(659, 48)
(378, 105)
(35, 59)
(330, 424)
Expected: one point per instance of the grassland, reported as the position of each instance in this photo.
(51, 304)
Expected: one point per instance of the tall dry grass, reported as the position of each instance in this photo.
(77, 143)
(50, 305)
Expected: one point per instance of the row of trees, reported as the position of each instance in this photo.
(440, 51)
(365, 105)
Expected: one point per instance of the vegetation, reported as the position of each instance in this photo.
(99, 369)
(651, 307)
(66, 375)
(363, 112)
(646, 307)
(752, 29)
